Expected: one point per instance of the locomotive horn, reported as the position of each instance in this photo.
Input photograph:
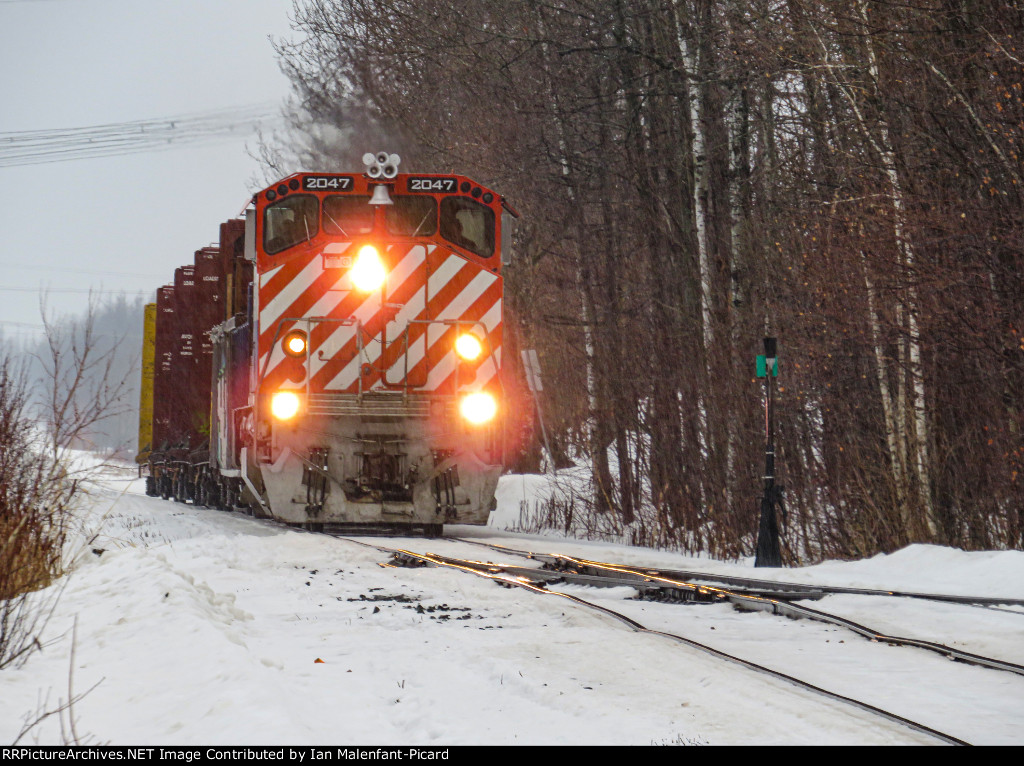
(390, 165)
(381, 164)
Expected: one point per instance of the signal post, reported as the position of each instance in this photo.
(769, 553)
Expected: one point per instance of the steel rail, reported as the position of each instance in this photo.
(765, 603)
(523, 580)
(495, 573)
(755, 584)
(769, 601)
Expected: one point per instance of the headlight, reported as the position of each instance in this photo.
(468, 346)
(295, 343)
(368, 272)
(478, 408)
(284, 405)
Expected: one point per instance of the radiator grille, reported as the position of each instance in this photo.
(373, 405)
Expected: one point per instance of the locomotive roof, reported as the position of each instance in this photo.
(459, 184)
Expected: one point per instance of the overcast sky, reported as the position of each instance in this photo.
(124, 222)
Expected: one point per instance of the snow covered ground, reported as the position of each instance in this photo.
(200, 627)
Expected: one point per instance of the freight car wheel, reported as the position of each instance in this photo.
(180, 490)
(198, 489)
(210, 491)
(200, 492)
(189, 485)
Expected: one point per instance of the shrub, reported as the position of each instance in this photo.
(35, 495)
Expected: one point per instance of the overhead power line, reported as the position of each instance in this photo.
(34, 147)
(7, 266)
(76, 290)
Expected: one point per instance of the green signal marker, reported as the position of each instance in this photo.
(762, 366)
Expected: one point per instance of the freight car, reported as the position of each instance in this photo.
(336, 360)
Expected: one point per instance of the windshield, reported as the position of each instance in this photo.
(289, 222)
(412, 216)
(348, 215)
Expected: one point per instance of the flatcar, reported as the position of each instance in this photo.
(335, 361)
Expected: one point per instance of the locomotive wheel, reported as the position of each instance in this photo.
(232, 496)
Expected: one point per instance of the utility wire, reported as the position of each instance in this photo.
(98, 272)
(80, 290)
(34, 147)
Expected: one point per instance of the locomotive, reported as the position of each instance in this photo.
(335, 361)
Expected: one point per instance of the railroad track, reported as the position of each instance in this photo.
(538, 581)
(770, 597)
(750, 595)
(748, 584)
(699, 587)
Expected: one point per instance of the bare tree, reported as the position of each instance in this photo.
(696, 174)
(82, 384)
(35, 502)
(84, 381)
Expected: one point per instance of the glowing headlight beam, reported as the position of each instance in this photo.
(468, 347)
(295, 343)
(368, 273)
(478, 408)
(284, 405)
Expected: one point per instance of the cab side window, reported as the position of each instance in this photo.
(289, 221)
(468, 224)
